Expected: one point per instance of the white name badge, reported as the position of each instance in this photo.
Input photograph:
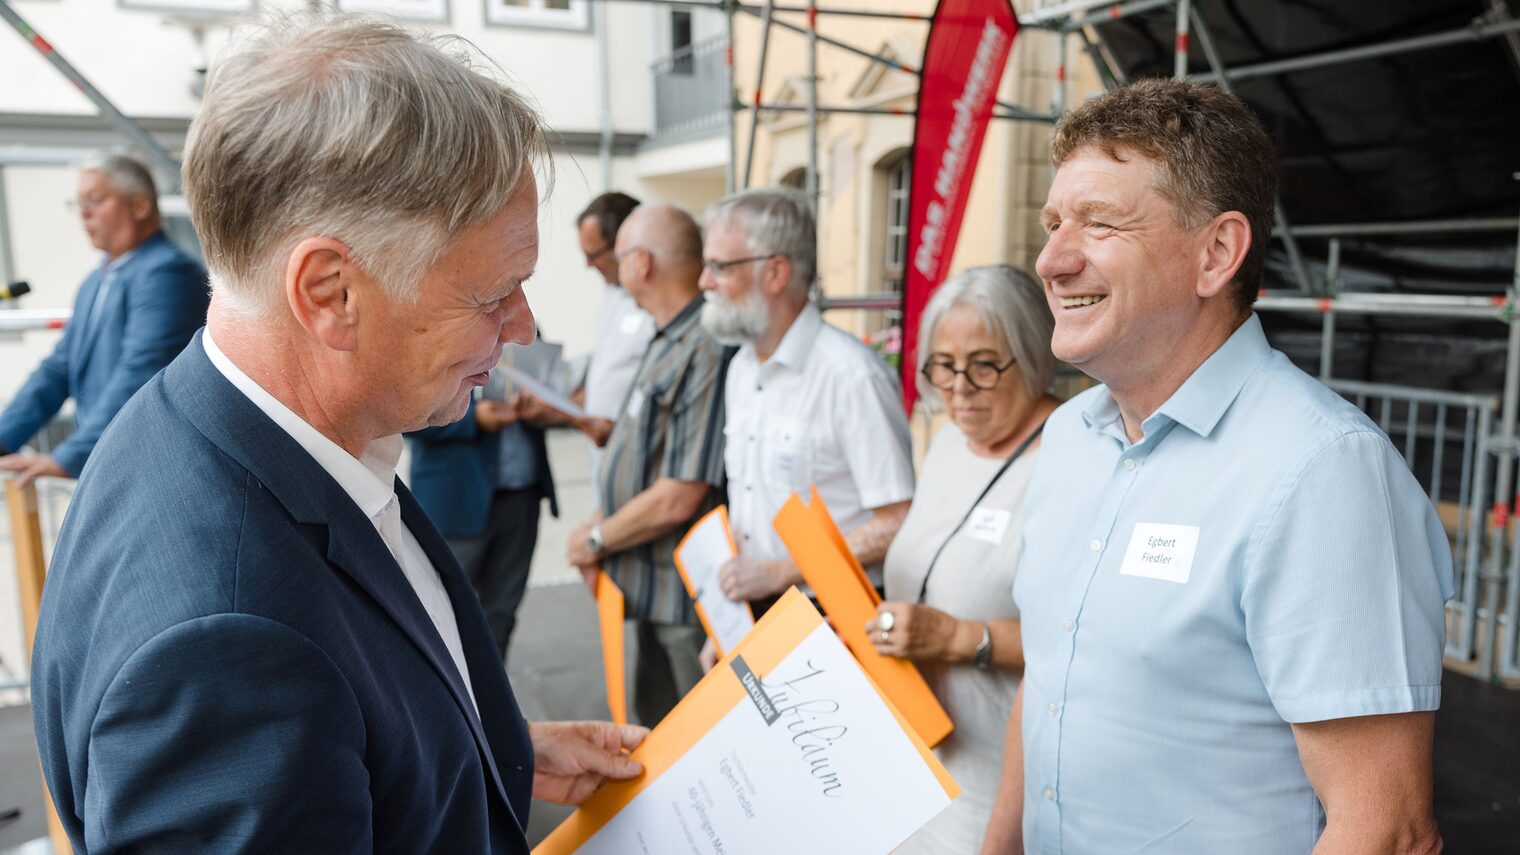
(989, 524)
(635, 402)
(630, 324)
(1161, 551)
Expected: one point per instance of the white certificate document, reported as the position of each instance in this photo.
(530, 384)
(702, 553)
(785, 747)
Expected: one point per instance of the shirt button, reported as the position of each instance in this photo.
(1052, 709)
(1050, 795)
(1095, 545)
(1129, 464)
(759, 388)
(746, 537)
(748, 487)
(1065, 624)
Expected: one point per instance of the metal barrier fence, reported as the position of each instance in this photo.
(691, 89)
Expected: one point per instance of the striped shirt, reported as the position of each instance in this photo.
(671, 426)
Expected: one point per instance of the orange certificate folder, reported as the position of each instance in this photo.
(698, 558)
(784, 746)
(609, 613)
(845, 593)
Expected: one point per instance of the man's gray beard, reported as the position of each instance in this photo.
(735, 323)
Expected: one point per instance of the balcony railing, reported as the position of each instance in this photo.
(692, 89)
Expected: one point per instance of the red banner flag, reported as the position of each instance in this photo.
(967, 49)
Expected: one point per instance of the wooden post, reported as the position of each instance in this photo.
(31, 570)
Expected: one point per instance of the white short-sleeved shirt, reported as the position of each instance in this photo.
(1262, 557)
(824, 410)
(623, 333)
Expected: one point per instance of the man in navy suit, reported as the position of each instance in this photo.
(252, 639)
(132, 315)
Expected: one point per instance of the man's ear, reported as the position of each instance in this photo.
(320, 280)
(1227, 239)
(776, 276)
(139, 208)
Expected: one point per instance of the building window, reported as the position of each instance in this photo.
(899, 183)
(411, 10)
(680, 42)
(562, 14)
(894, 179)
(796, 179)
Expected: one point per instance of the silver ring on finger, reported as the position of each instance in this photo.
(884, 633)
(886, 620)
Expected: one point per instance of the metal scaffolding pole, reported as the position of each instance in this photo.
(1279, 217)
(731, 169)
(754, 110)
(1111, 76)
(1504, 491)
(1115, 12)
(811, 184)
(1180, 44)
(1421, 305)
(1058, 96)
(156, 151)
(1408, 227)
(1475, 32)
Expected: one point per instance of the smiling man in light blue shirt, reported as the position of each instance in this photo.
(1231, 584)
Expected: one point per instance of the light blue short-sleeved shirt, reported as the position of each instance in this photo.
(1261, 557)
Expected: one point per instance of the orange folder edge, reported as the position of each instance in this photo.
(812, 538)
(609, 613)
(776, 634)
(826, 520)
(691, 589)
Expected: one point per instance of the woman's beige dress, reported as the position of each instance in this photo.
(973, 580)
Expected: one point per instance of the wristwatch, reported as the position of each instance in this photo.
(983, 655)
(594, 540)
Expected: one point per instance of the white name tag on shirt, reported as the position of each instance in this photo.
(1161, 551)
(989, 524)
(629, 324)
(635, 402)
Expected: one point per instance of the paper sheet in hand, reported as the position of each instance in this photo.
(786, 746)
(554, 399)
(700, 556)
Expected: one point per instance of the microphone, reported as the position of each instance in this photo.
(14, 290)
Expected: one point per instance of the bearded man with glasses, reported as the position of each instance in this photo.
(807, 404)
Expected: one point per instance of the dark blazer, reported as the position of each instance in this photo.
(454, 473)
(157, 300)
(228, 659)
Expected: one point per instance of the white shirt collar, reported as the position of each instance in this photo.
(796, 342)
(369, 481)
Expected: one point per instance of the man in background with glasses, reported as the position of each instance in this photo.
(133, 315)
(807, 403)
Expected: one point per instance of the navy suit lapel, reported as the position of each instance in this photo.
(227, 418)
(501, 719)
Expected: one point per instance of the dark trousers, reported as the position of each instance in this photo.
(497, 561)
(668, 666)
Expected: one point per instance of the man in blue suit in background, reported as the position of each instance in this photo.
(132, 316)
(251, 638)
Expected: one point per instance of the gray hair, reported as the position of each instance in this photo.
(126, 174)
(1012, 307)
(354, 129)
(775, 220)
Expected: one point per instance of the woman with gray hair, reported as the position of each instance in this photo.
(984, 356)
